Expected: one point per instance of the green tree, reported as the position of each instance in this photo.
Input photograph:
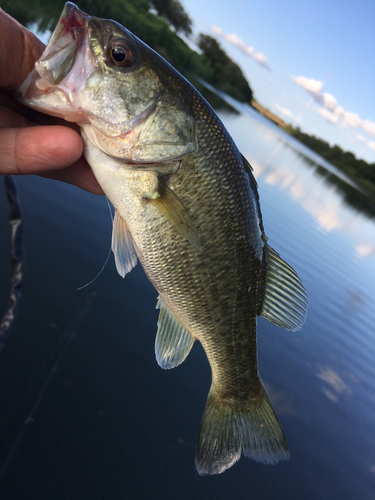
(174, 13)
(360, 171)
(155, 30)
(223, 72)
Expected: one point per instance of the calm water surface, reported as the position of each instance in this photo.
(88, 412)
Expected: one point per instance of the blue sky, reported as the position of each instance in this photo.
(295, 50)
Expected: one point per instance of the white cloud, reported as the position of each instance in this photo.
(352, 119)
(332, 112)
(234, 40)
(365, 248)
(339, 111)
(283, 111)
(327, 115)
(327, 101)
(370, 144)
(334, 380)
(312, 86)
(360, 138)
(369, 127)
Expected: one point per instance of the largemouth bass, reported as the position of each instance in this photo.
(186, 205)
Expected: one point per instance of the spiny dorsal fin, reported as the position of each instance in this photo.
(173, 342)
(170, 205)
(246, 164)
(249, 170)
(285, 298)
(122, 246)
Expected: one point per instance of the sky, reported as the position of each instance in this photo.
(310, 62)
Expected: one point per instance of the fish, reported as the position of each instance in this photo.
(187, 207)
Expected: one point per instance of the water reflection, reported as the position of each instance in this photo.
(267, 131)
(322, 196)
(364, 249)
(283, 403)
(113, 425)
(336, 384)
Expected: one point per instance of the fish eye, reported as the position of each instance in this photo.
(122, 53)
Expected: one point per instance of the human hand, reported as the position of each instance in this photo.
(32, 142)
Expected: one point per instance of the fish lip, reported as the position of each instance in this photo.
(72, 17)
(67, 38)
(70, 32)
(71, 27)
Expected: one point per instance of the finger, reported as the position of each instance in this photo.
(32, 150)
(19, 46)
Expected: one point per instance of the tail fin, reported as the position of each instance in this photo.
(227, 429)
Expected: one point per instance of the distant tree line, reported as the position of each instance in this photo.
(158, 23)
(360, 171)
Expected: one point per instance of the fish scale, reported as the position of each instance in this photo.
(187, 206)
(225, 253)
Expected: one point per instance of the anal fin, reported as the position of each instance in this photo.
(173, 342)
(285, 299)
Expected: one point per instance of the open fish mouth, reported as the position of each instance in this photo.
(67, 40)
(58, 85)
(125, 109)
(63, 68)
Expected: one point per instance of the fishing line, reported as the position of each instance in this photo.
(17, 260)
(8, 319)
(108, 256)
(29, 418)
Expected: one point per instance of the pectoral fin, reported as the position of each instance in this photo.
(173, 342)
(285, 298)
(170, 205)
(122, 246)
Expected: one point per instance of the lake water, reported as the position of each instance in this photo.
(85, 411)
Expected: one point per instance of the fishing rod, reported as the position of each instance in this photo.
(17, 259)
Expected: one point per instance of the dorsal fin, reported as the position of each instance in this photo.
(122, 246)
(285, 298)
(173, 342)
(247, 165)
